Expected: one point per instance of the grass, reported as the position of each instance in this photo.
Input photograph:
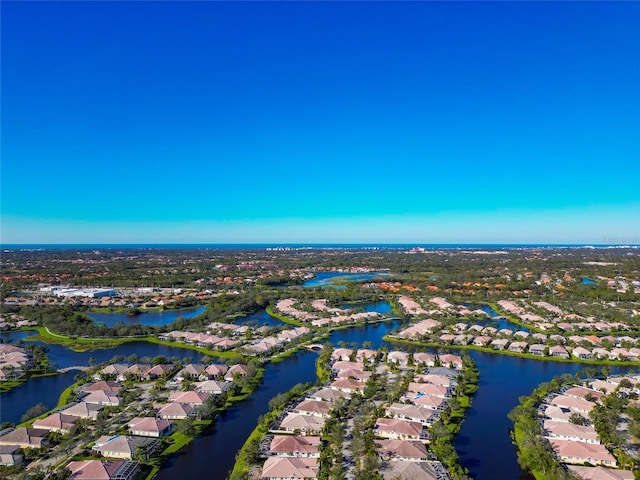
(11, 384)
(284, 319)
(619, 363)
(66, 395)
(78, 344)
(518, 435)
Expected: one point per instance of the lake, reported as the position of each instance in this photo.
(379, 307)
(164, 317)
(327, 279)
(259, 318)
(483, 443)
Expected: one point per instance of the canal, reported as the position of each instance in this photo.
(483, 443)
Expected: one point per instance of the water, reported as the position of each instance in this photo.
(379, 307)
(47, 390)
(484, 432)
(165, 317)
(16, 402)
(326, 279)
(219, 446)
(496, 320)
(588, 281)
(259, 319)
(213, 455)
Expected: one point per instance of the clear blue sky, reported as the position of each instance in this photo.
(320, 122)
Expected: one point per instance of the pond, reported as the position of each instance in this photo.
(164, 317)
(258, 319)
(327, 279)
(379, 307)
(45, 390)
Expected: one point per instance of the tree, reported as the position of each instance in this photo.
(186, 427)
(34, 412)
(577, 419)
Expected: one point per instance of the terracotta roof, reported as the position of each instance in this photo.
(404, 470)
(580, 451)
(402, 448)
(401, 427)
(601, 473)
(565, 429)
(295, 421)
(293, 468)
(56, 421)
(294, 444)
(314, 406)
(94, 469)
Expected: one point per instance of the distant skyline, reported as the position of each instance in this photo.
(320, 122)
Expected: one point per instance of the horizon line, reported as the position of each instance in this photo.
(324, 244)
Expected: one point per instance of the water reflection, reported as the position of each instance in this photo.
(165, 317)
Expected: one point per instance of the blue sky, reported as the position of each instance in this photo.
(320, 122)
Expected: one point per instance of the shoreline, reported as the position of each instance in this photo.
(616, 363)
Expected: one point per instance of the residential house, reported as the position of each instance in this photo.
(190, 397)
(328, 395)
(578, 405)
(570, 431)
(313, 407)
(56, 422)
(601, 473)
(287, 468)
(83, 410)
(500, 343)
(404, 470)
(569, 451)
(211, 387)
(150, 427)
(119, 446)
(428, 389)
(482, 341)
(409, 450)
(103, 470)
(158, 371)
(305, 424)
(190, 372)
(347, 385)
(558, 351)
(414, 413)
(537, 349)
(24, 437)
(396, 428)
(582, 353)
(9, 455)
(451, 361)
(518, 347)
(216, 370)
(295, 446)
(174, 411)
(100, 397)
(236, 370)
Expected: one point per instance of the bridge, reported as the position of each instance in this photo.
(75, 367)
(315, 347)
